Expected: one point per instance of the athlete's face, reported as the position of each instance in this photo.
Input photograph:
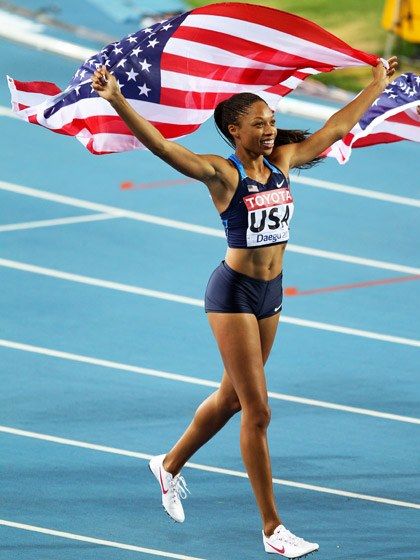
(256, 130)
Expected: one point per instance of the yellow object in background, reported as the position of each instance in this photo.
(402, 17)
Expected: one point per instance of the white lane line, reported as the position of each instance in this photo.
(197, 380)
(352, 332)
(99, 283)
(184, 226)
(206, 468)
(356, 191)
(56, 222)
(6, 112)
(61, 275)
(332, 256)
(92, 540)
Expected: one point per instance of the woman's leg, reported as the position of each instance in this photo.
(239, 337)
(210, 417)
(216, 410)
(247, 342)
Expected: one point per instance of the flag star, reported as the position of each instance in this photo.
(167, 26)
(122, 62)
(144, 90)
(148, 30)
(392, 96)
(82, 73)
(145, 65)
(153, 43)
(107, 62)
(132, 75)
(132, 40)
(375, 102)
(117, 50)
(98, 65)
(136, 51)
(119, 84)
(418, 80)
(388, 90)
(77, 89)
(412, 92)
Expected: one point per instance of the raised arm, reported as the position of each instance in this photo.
(203, 168)
(338, 125)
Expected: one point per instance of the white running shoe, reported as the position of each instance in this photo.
(173, 488)
(286, 544)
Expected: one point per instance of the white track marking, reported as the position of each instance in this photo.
(100, 283)
(352, 260)
(5, 112)
(356, 191)
(206, 468)
(349, 331)
(197, 380)
(56, 222)
(92, 540)
(213, 232)
(61, 275)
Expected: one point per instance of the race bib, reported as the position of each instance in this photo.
(269, 214)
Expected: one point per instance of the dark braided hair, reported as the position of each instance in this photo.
(228, 112)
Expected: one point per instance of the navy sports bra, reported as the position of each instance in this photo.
(258, 215)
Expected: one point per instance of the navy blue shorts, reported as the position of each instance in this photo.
(229, 291)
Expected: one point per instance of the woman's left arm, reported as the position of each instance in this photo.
(338, 125)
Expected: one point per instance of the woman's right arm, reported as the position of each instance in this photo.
(204, 168)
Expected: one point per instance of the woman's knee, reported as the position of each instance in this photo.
(257, 416)
(229, 403)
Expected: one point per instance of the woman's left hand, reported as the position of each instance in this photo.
(381, 74)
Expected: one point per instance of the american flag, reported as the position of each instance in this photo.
(393, 116)
(175, 72)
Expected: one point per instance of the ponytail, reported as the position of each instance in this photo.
(292, 137)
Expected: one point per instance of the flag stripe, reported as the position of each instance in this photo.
(206, 85)
(101, 143)
(28, 98)
(280, 21)
(211, 45)
(268, 36)
(376, 138)
(47, 88)
(182, 99)
(115, 125)
(404, 118)
(406, 131)
(157, 113)
(182, 43)
(230, 73)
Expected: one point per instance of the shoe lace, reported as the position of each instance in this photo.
(179, 488)
(289, 537)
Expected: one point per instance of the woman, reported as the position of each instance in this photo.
(244, 295)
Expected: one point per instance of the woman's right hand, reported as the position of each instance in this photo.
(105, 83)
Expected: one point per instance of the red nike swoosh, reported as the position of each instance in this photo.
(277, 549)
(161, 482)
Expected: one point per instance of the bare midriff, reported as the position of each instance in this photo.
(264, 263)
